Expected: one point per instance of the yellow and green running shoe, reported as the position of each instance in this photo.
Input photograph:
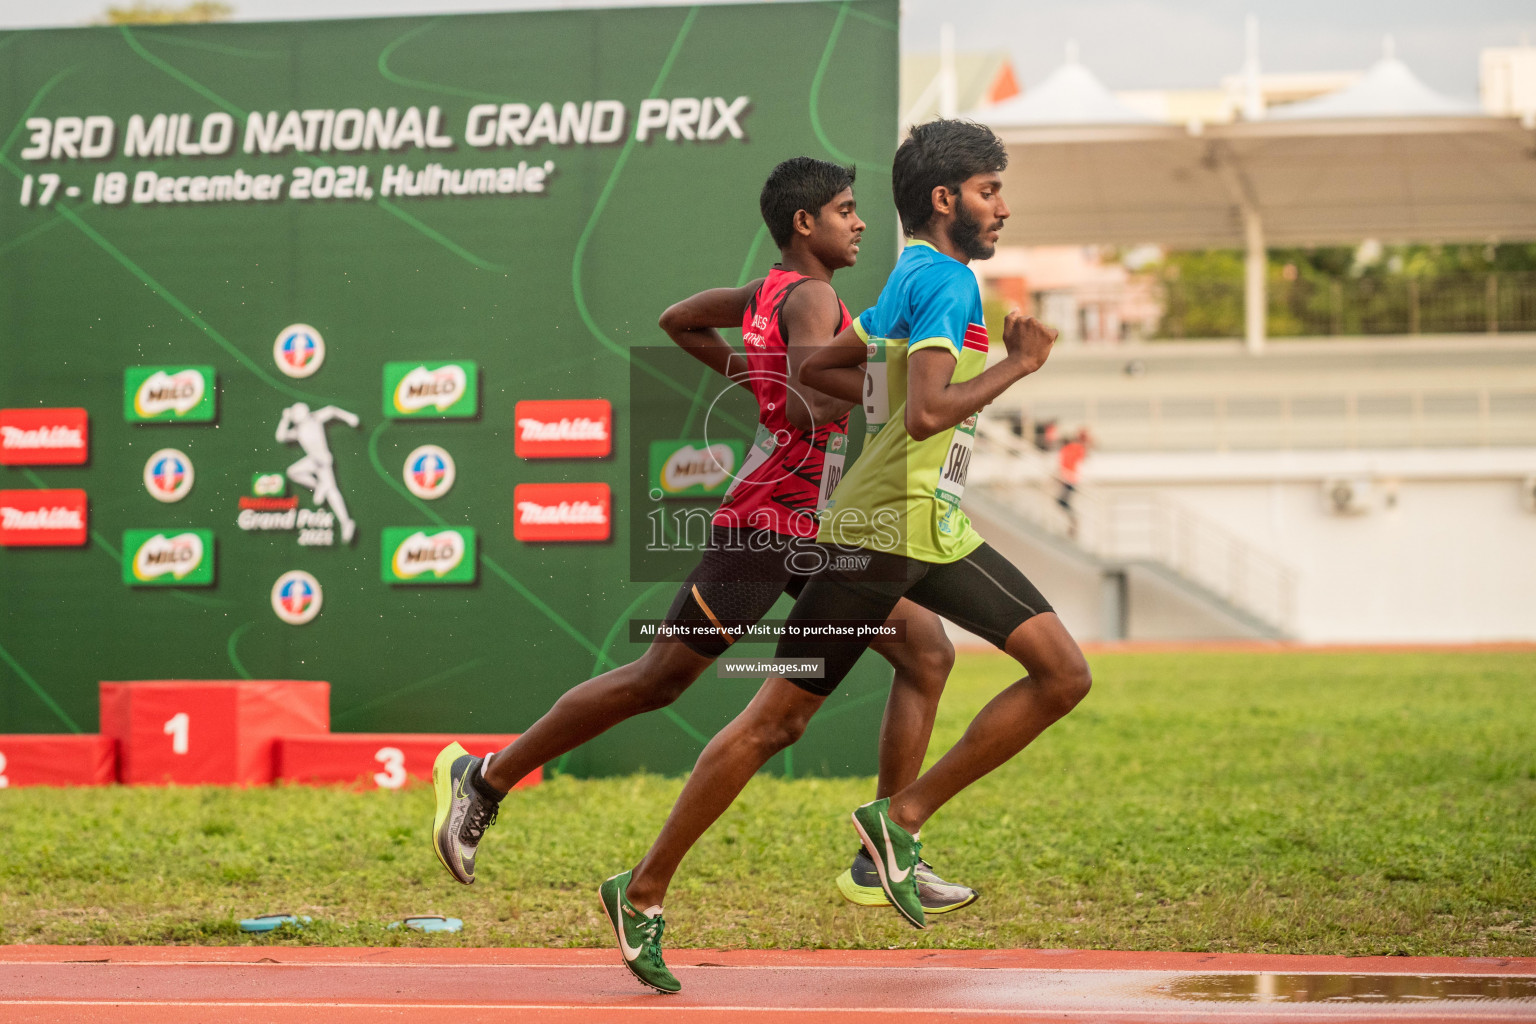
(463, 812)
(639, 935)
(894, 852)
(860, 884)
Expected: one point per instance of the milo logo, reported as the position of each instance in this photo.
(168, 394)
(162, 558)
(693, 468)
(428, 555)
(431, 389)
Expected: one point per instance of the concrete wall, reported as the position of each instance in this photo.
(1444, 551)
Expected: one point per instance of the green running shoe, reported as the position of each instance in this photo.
(894, 851)
(639, 935)
(860, 885)
(463, 814)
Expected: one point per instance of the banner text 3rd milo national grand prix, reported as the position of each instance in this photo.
(319, 342)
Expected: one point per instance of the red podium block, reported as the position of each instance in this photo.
(33, 760)
(197, 732)
(381, 759)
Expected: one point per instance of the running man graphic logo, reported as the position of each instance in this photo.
(44, 437)
(168, 394)
(316, 470)
(166, 558)
(561, 512)
(296, 597)
(299, 350)
(168, 475)
(564, 429)
(30, 519)
(428, 555)
(448, 390)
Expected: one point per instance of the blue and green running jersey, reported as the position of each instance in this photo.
(903, 495)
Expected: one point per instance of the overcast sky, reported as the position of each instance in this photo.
(1130, 44)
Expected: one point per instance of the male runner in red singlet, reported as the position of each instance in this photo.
(762, 545)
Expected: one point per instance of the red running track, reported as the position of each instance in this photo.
(301, 985)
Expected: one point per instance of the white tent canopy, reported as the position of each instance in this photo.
(1326, 180)
(1069, 95)
(1388, 89)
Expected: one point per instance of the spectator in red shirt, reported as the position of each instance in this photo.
(1067, 461)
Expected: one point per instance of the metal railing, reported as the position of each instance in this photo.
(1124, 528)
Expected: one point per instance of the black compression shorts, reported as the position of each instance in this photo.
(736, 583)
(982, 592)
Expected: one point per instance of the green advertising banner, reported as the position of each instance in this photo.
(168, 558)
(248, 230)
(427, 554)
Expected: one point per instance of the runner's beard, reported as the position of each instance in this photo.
(965, 235)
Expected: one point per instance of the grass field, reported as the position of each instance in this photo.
(1296, 803)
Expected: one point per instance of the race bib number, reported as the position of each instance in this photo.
(832, 467)
(877, 394)
(762, 450)
(957, 463)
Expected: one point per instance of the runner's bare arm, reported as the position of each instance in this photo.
(836, 368)
(809, 322)
(936, 403)
(694, 324)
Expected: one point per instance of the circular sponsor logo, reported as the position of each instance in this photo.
(429, 472)
(299, 350)
(168, 475)
(296, 597)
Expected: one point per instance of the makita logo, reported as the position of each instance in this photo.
(555, 512)
(582, 429)
(42, 518)
(565, 512)
(42, 437)
(564, 428)
(56, 518)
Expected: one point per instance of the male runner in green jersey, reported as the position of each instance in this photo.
(897, 512)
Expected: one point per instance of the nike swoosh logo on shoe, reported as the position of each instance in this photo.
(895, 877)
(458, 790)
(630, 952)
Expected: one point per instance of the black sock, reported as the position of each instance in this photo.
(484, 788)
